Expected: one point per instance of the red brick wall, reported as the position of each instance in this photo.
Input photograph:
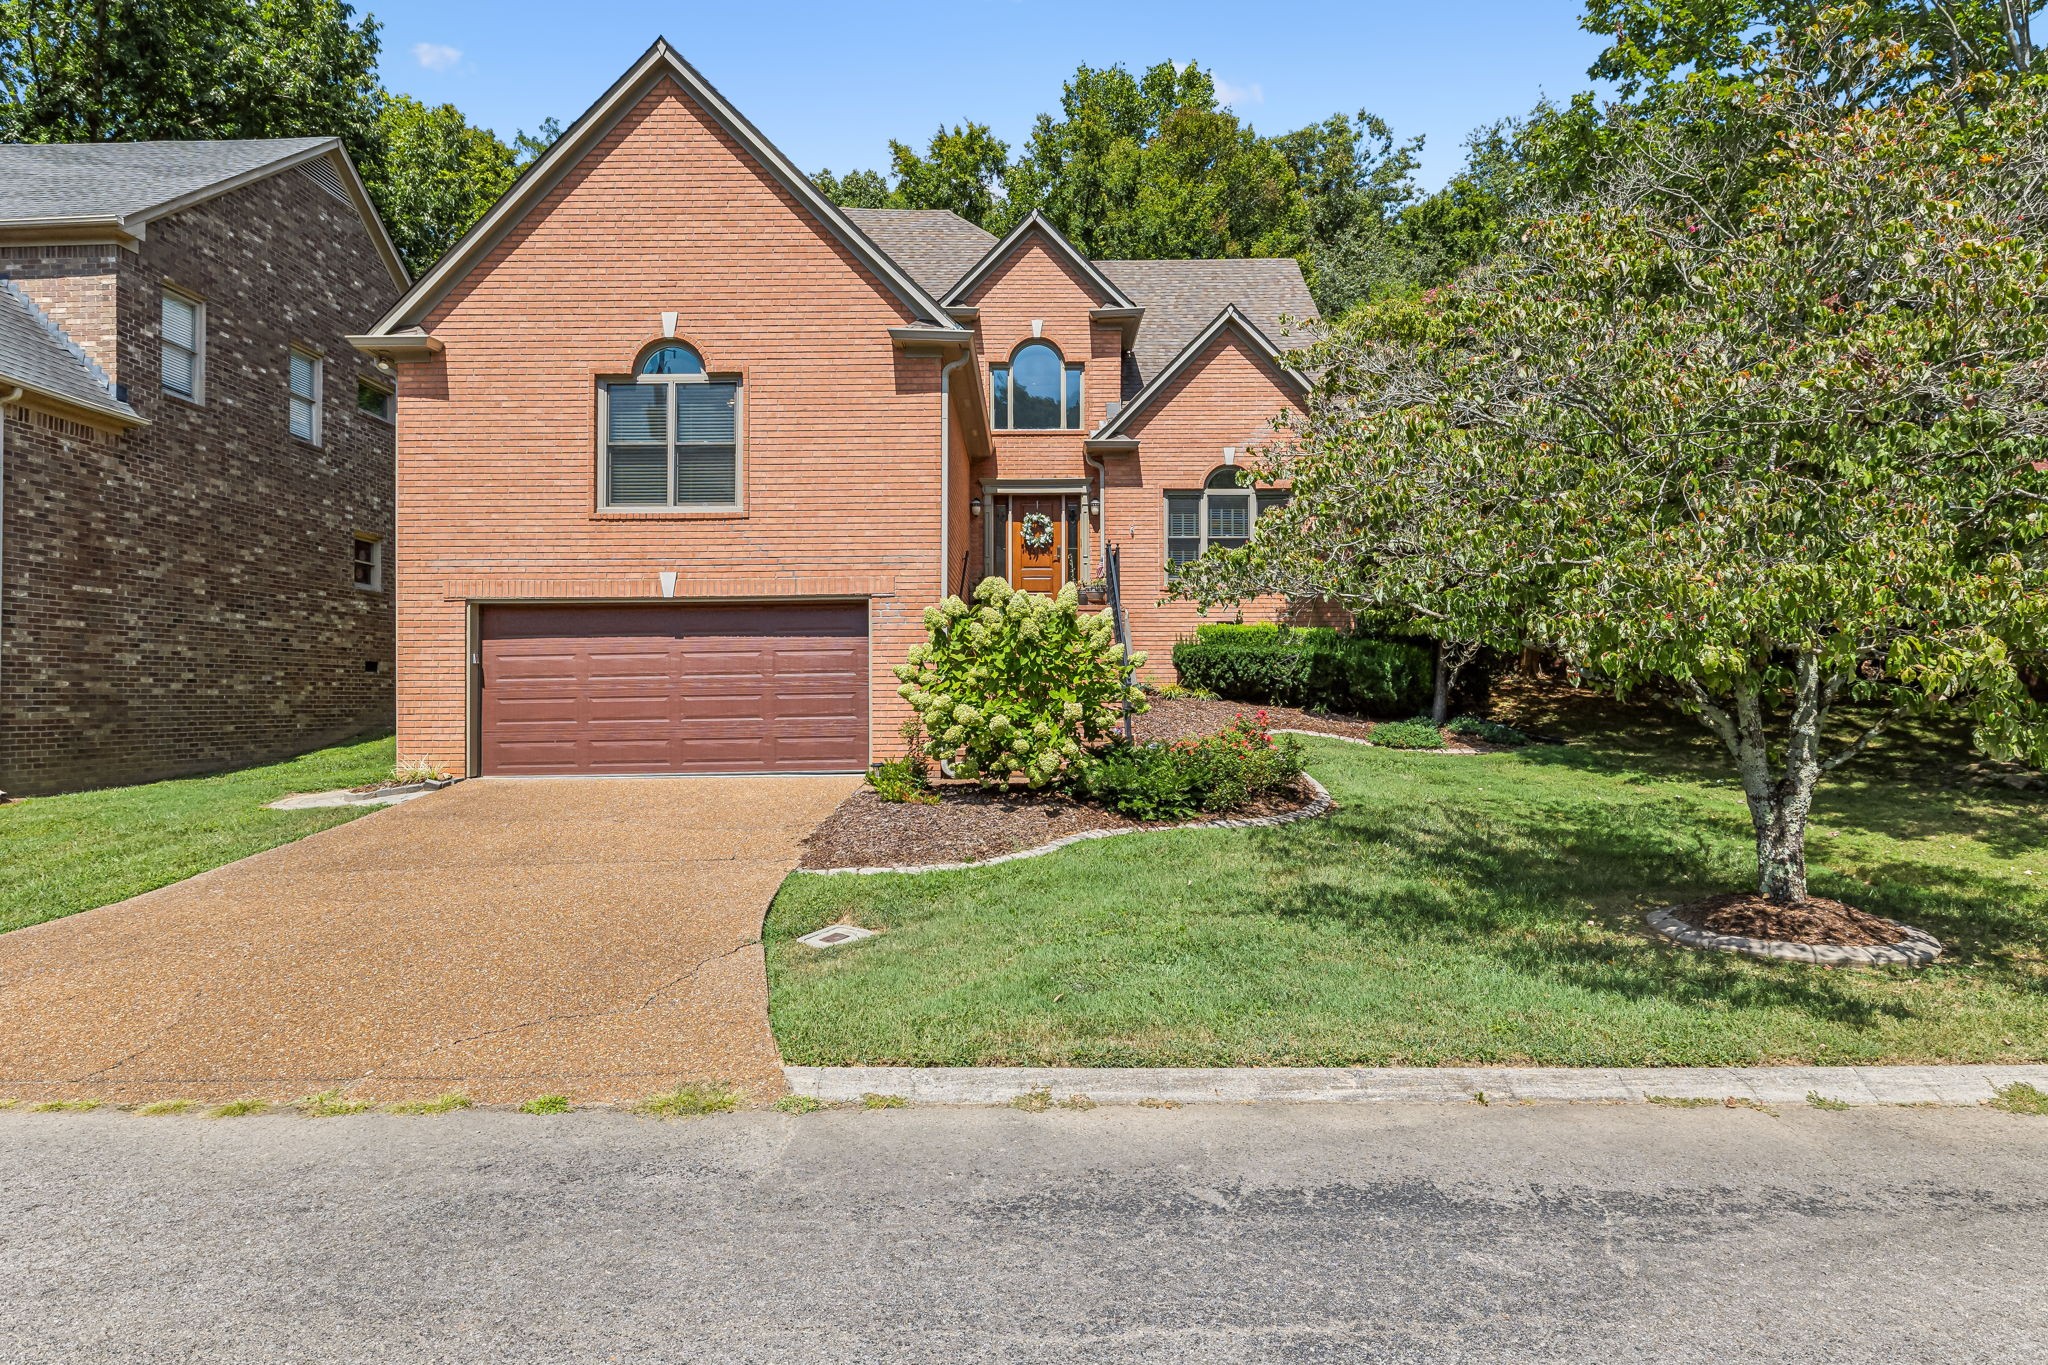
(180, 598)
(497, 436)
(1227, 397)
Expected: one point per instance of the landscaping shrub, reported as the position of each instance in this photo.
(1309, 666)
(908, 778)
(1419, 733)
(1211, 775)
(1487, 732)
(1018, 683)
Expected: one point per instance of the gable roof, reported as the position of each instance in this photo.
(1229, 320)
(659, 62)
(122, 187)
(1037, 222)
(1182, 298)
(36, 355)
(937, 246)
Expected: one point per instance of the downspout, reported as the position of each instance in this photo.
(13, 395)
(1101, 546)
(946, 471)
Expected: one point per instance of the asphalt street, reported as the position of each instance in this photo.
(1440, 1233)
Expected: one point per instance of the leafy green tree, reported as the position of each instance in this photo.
(855, 189)
(130, 70)
(961, 169)
(440, 174)
(1772, 454)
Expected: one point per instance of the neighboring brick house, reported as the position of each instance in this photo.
(685, 451)
(196, 466)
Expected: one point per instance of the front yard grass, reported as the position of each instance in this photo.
(1452, 910)
(63, 854)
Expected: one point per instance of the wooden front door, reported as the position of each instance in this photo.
(1040, 568)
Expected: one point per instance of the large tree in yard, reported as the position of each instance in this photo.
(1769, 439)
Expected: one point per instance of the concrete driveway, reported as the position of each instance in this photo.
(595, 938)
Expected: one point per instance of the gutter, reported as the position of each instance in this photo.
(946, 470)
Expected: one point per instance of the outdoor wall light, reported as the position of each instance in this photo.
(974, 507)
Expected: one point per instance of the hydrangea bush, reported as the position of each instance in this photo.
(1018, 684)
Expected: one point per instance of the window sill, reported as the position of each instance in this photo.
(671, 514)
(179, 398)
(1038, 431)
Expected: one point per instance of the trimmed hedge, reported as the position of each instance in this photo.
(1310, 666)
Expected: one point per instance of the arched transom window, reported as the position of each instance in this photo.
(1036, 391)
(671, 435)
(1221, 514)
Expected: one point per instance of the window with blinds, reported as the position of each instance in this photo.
(183, 335)
(305, 396)
(1221, 515)
(671, 440)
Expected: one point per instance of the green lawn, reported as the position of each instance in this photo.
(1453, 910)
(63, 854)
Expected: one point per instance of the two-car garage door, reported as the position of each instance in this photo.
(673, 689)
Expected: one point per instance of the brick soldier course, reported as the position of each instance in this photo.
(177, 580)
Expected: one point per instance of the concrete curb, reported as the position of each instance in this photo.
(1916, 948)
(1321, 805)
(1782, 1085)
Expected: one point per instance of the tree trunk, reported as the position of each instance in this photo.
(1440, 704)
(1779, 802)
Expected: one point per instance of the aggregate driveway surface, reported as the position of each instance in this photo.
(1436, 1234)
(596, 938)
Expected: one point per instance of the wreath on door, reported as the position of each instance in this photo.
(1037, 532)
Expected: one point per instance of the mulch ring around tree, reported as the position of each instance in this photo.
(1813, 930)
(969, 825)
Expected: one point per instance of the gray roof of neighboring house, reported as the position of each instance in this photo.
(121, 180)
(36, 355)
(935, 246)
(1181, 298)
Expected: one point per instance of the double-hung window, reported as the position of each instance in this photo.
(1219, 515)
(305, 395)
(1036, 391)
(369, 562)
(183, 333)
(376, 400)
(671, 436)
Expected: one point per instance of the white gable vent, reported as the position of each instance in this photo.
(321, 172)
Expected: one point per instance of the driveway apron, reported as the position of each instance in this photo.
(504, 938)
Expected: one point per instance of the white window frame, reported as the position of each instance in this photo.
(1251, 493)
(389, 416)
(1001, 421)
(293, 397)
(198, 307)
(671, 507)
(376, 544)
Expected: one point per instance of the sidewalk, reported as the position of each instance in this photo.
(1354, 1085)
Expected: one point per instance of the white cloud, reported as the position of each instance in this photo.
(436, 56)
(1239, 96)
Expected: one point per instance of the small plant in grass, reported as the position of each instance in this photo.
(798, 1104)
(164, 1108)
(691, 1101)
(1177, 781)
(2020, 1098)
(1182, 692)
(64, 1107)
(873, 1101)
(239, 1109)
(1487, 732)
(1018, 684)
(546, 1104)
(440, 1104)
(411, 771)
(329, 1104)
(909, 778)
(1419, 733)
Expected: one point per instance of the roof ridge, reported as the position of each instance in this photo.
(58, 334)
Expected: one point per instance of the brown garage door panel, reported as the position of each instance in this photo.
(674, 689)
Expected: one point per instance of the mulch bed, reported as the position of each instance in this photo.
(1815, 920)
(969, 824)
(1174, 718)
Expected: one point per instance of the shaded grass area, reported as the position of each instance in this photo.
(1452, 910)
(63, 854)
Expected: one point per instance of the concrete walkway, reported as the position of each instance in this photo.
(596, 938)
(1857, 1085)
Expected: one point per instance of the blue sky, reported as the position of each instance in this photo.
(832, 83)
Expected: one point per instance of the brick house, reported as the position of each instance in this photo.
(196, 468)
(685, 451)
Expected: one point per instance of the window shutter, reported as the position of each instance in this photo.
(637, 445)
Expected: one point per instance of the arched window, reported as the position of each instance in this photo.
(671, 435)
(1222, 515)
(1036, 391)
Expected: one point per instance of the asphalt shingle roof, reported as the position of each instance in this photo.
(1180, 298)
(935, 247)
(36, 355)
(121, 179)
